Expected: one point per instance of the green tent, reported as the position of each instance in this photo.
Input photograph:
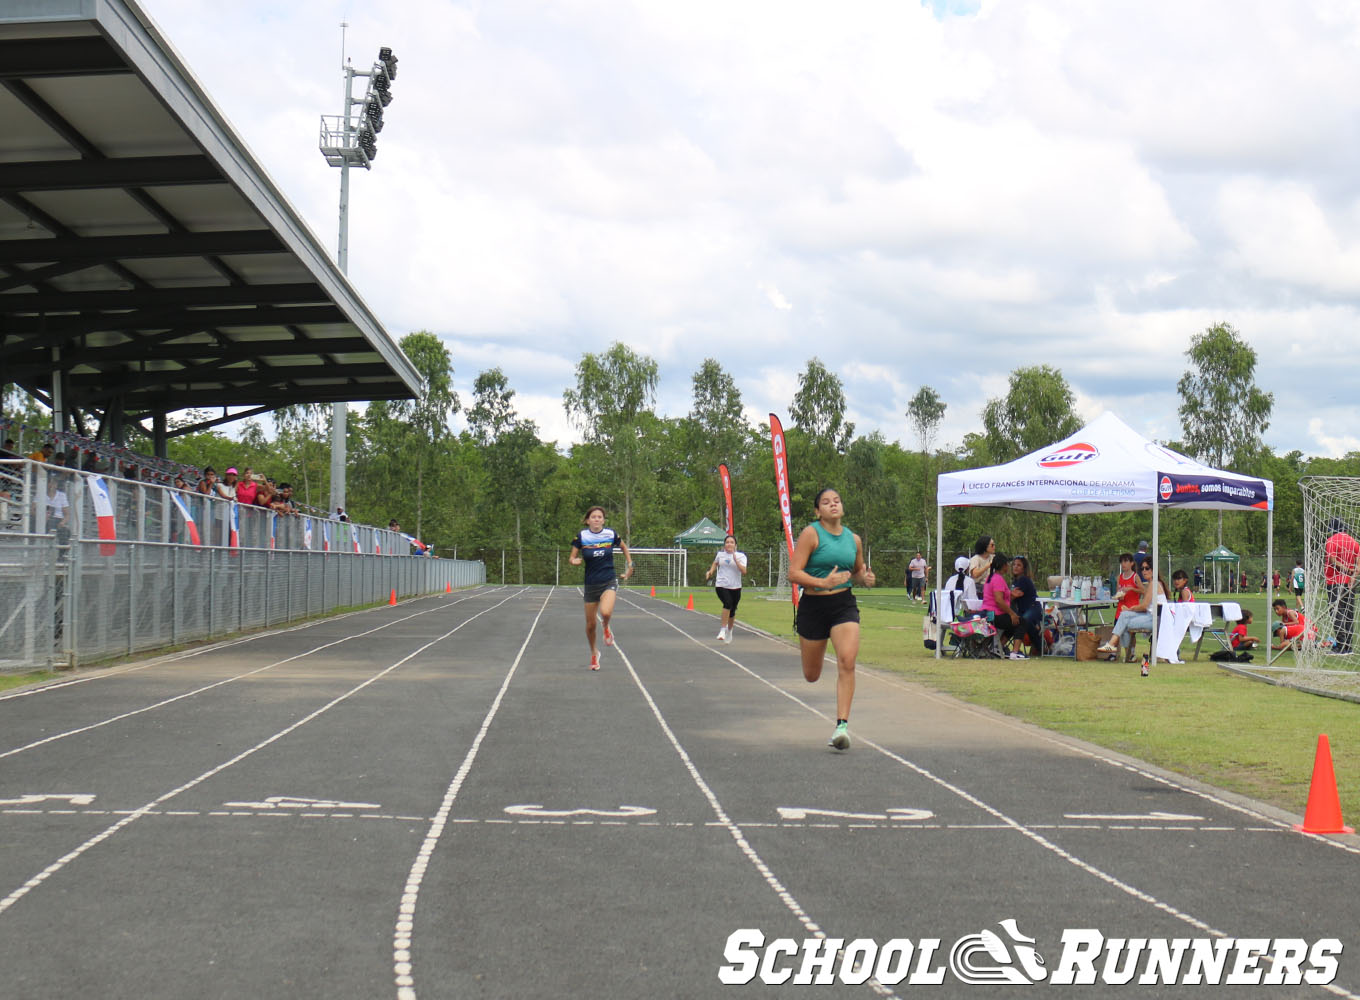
(704, 535)
(1221, 555)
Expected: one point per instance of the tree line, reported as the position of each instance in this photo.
(498, 485)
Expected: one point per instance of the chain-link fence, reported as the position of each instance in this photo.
(94, 567)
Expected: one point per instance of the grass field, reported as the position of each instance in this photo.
(1194, 718)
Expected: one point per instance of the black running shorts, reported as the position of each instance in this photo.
(817, 616)
(593, 591)
(729, 596)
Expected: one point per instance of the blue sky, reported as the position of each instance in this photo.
(930, 193)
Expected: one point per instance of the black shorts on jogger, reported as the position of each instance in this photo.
(817, 616)
(730, 597)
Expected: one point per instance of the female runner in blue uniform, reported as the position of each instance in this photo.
(595, 547)
(827, 557)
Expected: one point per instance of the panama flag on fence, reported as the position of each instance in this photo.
(377, 543)
(103, 512)
(325, 536)
(416, 543)
(273, 530)
(233, 527)
(781, 482)
(354, 537)
(188, 518)
(306, 532)
(726, 478)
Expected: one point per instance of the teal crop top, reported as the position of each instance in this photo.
(832, 552)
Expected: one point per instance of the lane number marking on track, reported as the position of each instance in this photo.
(621, 812)
(30, 799)
(294, 802)
(896, 812)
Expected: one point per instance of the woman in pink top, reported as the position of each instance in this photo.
(996, 598)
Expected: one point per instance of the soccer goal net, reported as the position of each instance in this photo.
(659, 568)
(1331, 576)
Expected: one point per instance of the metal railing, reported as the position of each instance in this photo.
(95, 567)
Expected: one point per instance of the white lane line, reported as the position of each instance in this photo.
(1015, 825)
(106, 673)
(132, 817)
(732, 828)
(216, 684)
(406, 911)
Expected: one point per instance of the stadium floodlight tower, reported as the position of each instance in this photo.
(349, 140)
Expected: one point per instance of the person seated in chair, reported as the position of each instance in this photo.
(996, 600)
(1180, 588)
(1025, 603)
(1137, 618)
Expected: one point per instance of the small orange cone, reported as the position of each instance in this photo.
(448, 587)
(690, 605)
(653, 591)
(1324, 805)
(392, 601)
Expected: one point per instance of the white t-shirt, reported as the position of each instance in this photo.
(729, 570)
(918, 568)
(56, 506)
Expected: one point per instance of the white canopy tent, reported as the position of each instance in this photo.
(1106, 466)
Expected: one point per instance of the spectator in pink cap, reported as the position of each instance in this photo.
(226, 489)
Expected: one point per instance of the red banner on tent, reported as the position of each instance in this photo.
(781, 483)
(726, 478)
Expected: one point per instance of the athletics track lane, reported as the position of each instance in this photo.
(244, 900)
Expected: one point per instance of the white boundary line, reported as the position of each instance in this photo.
(102, 673)
(406, 912)
(216, 684)
(66, 859)
(1001, 817)
(744, 845)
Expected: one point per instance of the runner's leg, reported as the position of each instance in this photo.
(845, 640)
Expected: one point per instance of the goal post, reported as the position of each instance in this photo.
(659, 568)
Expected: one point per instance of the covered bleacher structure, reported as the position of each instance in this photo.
(149, 265)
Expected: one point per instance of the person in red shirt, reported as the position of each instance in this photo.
(1292, 625)
(1128, 591)
(246, 488)
(1340, 553)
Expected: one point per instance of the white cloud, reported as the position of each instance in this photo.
(938, 193)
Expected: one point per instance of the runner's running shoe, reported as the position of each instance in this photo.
(608, 636)
(594, 661)
(728, 636)
(722, 634)
(840, 739)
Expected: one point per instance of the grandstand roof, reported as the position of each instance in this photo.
(143, 250)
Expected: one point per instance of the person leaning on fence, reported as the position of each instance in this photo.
(8, 450)
(1341, 552)
(1139, 617)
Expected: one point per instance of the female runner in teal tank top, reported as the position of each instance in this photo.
(827, 558)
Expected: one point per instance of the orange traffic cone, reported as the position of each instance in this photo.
(448, 588)
(653, 591)
(393, 599)
(690, 605)
(1324, 806)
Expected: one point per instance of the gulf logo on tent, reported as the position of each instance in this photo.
(1164, 487)
(1073, 454)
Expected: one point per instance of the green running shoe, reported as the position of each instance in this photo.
(840, 739)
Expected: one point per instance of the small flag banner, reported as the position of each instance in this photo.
(781, 482)
(103, 512)
(188, 518)
(234, 527)
(307, 533)
(325, 536)
(726, 478)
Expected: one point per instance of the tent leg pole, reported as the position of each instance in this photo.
(1270, 564)
(1156, 511)
(1062, 551)
(939, 572)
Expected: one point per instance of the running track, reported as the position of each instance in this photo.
(438, 799)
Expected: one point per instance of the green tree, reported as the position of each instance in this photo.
(924, 414)
(1036, 411)
(822, 432)
(1222, 411)
(716, 427)
(871, 495)
(304, 431)
(507, 444)
(427, 416)
(614, 391)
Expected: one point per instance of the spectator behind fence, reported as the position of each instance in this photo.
(226, 489)
(340, 514)
(43, 454)
(208, 484)
(8, 450)
(246, 487)
(264, 496)
(283, 501)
